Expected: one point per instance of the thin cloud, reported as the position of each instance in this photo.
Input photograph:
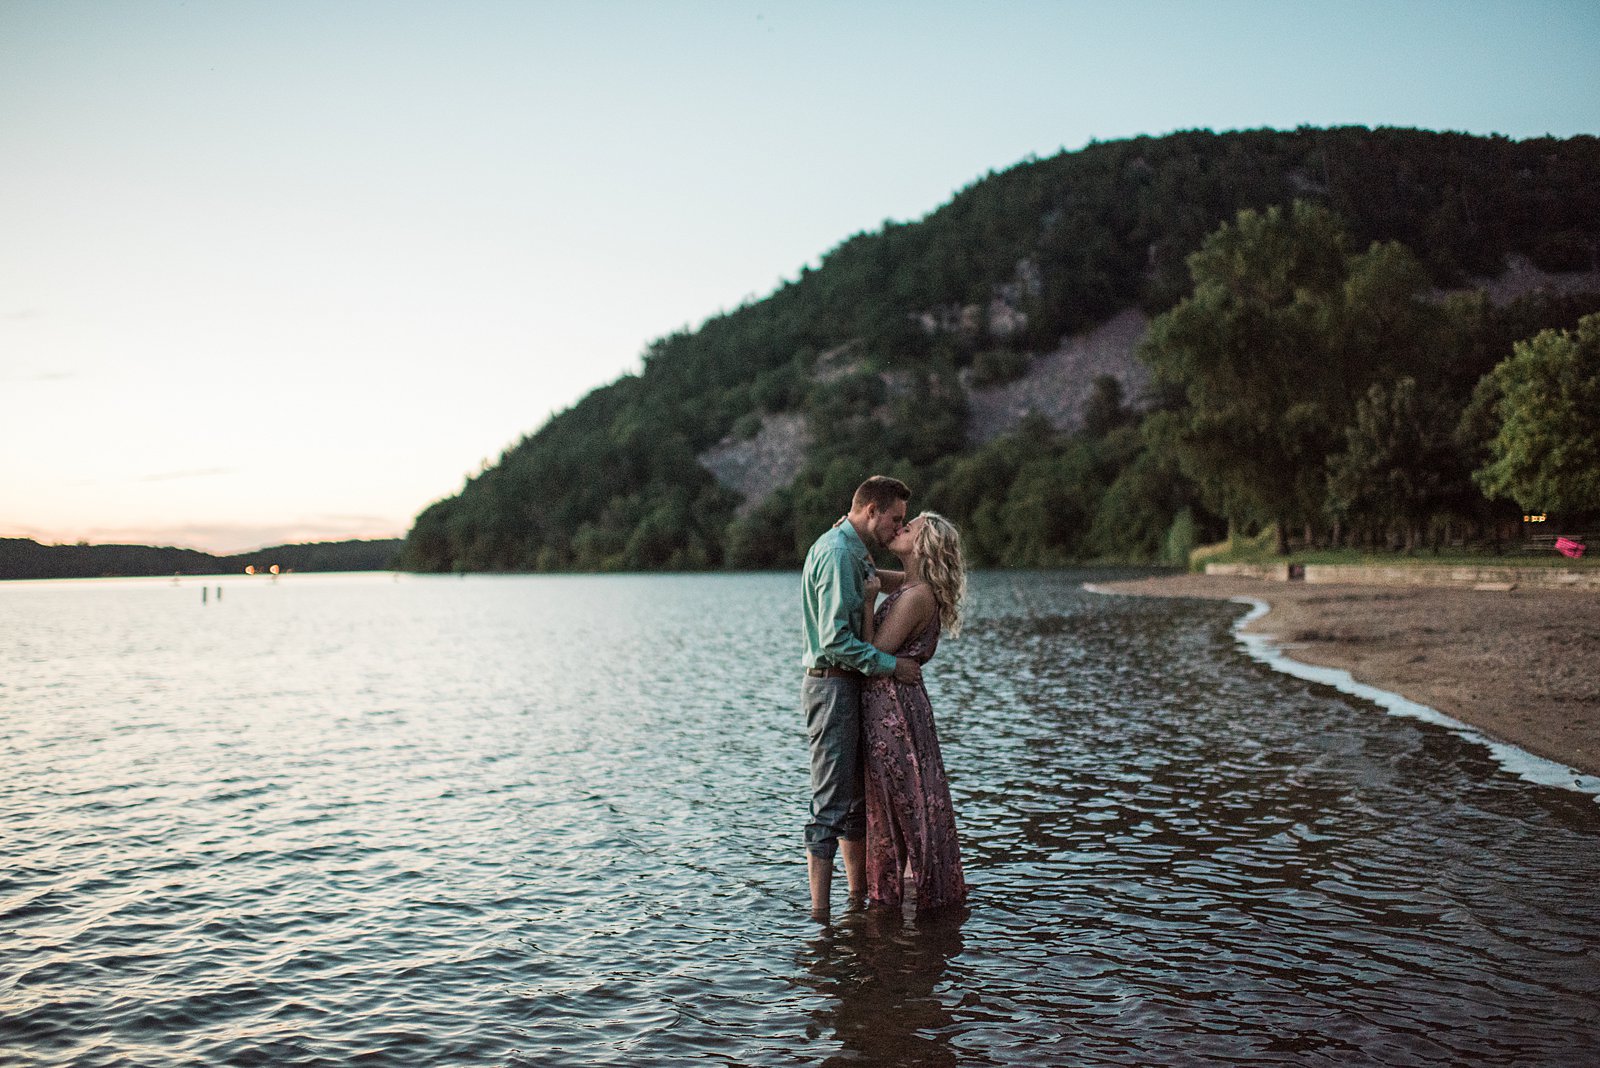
(330, 527)
(204, 472)
(41, 376)
(345, 520)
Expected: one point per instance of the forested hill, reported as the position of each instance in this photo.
(23, 558)
(871, 360)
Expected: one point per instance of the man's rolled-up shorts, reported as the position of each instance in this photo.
(838, 786)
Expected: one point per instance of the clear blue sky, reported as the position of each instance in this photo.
(288, 271)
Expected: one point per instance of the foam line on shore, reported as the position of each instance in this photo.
(1514, 759)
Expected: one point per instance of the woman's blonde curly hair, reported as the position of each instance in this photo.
(939, 545)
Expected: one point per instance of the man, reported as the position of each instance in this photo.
(836, 660)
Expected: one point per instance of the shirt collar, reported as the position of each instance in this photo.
(852, 539)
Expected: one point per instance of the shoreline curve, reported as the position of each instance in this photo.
(1336, 669)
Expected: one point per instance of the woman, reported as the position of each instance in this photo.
(909, 818)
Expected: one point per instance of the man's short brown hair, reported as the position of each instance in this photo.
(880, 491)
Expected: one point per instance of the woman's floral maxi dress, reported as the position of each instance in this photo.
(909, 817)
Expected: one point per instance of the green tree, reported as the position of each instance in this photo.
(1050, 506)
(1104, 409)
(1401, 463)
(972, 489)
(764, 538)
(1282, 332)
(1545, 454)
(1248, 347)
(1137, 511)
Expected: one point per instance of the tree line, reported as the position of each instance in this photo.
(23, 558)
(1307, 372)
(1328, 390)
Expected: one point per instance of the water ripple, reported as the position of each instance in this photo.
(550, 821)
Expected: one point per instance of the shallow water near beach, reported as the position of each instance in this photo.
(555, 820)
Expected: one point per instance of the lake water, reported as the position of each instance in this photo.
(555, 820)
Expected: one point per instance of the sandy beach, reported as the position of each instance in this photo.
(1520, 665)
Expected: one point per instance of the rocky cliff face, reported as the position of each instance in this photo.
(1059, 381)
(760, 465)
(1056, 385)
(1521, 279)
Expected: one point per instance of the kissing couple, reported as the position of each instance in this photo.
(878, 788)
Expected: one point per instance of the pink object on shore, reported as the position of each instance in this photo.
(1568, 547)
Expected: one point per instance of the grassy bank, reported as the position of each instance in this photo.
(1260, 550)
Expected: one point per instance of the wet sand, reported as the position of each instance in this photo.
(1520, 665)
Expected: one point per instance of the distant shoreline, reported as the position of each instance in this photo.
(1516, 665)
(23, 558)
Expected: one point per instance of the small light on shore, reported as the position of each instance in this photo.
(250, 569)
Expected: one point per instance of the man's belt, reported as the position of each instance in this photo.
(833, 673)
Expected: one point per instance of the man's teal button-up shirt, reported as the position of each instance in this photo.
(831, 589)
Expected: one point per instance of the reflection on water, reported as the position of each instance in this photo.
(556, 820)
(877, 978)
